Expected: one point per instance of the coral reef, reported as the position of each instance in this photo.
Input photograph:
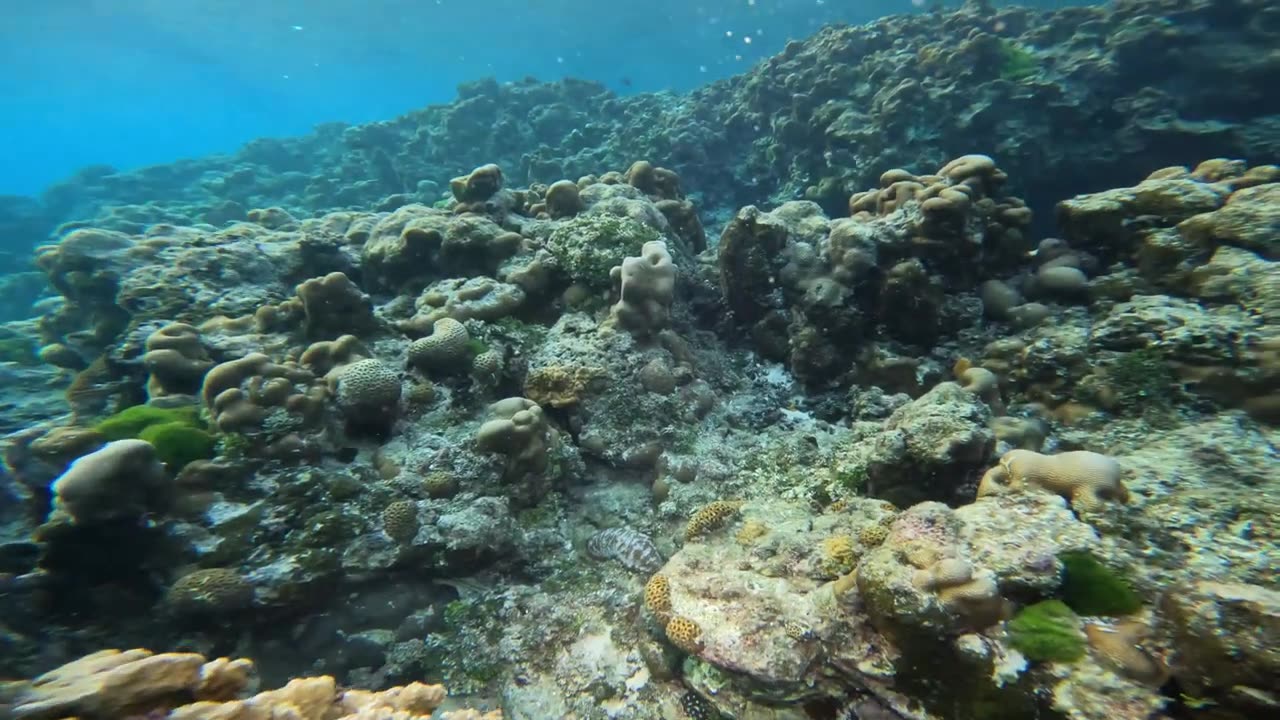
(892, 452)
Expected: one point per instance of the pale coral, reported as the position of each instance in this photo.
(112, 683)
(1087, 479)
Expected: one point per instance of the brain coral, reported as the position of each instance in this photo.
(367, 385)
(447, 346)
(213, 590)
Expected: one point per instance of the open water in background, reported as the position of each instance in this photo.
(137, 82)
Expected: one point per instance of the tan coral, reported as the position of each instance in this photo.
(322, 357)
(518, 430)
(873, 535)
(475, 298)
(983, 383)
(1120, 645)
(646, 285)
(1023, 433)
(839, 554)
(176, 360)
(115, 684)
(751, 531)
(1087, 479)
(239, 393)
(975, 596)
(560, 386)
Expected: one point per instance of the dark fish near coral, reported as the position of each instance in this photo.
(630, 547)
(695, 707)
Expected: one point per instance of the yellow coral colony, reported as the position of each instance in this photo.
(711, 517)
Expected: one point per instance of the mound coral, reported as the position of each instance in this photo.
(121, 479)
(646, 285)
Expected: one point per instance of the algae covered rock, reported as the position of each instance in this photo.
(1224, 642)
(588, 246)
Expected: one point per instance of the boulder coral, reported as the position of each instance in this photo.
(122, 479)
(519, 431)
(646, 286)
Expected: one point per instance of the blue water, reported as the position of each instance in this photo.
(148, 81)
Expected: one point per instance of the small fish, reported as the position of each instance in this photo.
(799, 632)
(696, 708)
(630, 547)
(626, 81)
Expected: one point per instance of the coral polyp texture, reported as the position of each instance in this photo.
(859, 385)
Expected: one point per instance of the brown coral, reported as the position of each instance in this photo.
(209, 591)
(478, 185)
(333, 305)
(563, 199)
(400, 520)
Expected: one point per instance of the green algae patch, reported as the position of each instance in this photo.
(177, 434)
(130, 422)
(1047, 632)
(1091, 588)
(1017, 63)
(178, 443)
